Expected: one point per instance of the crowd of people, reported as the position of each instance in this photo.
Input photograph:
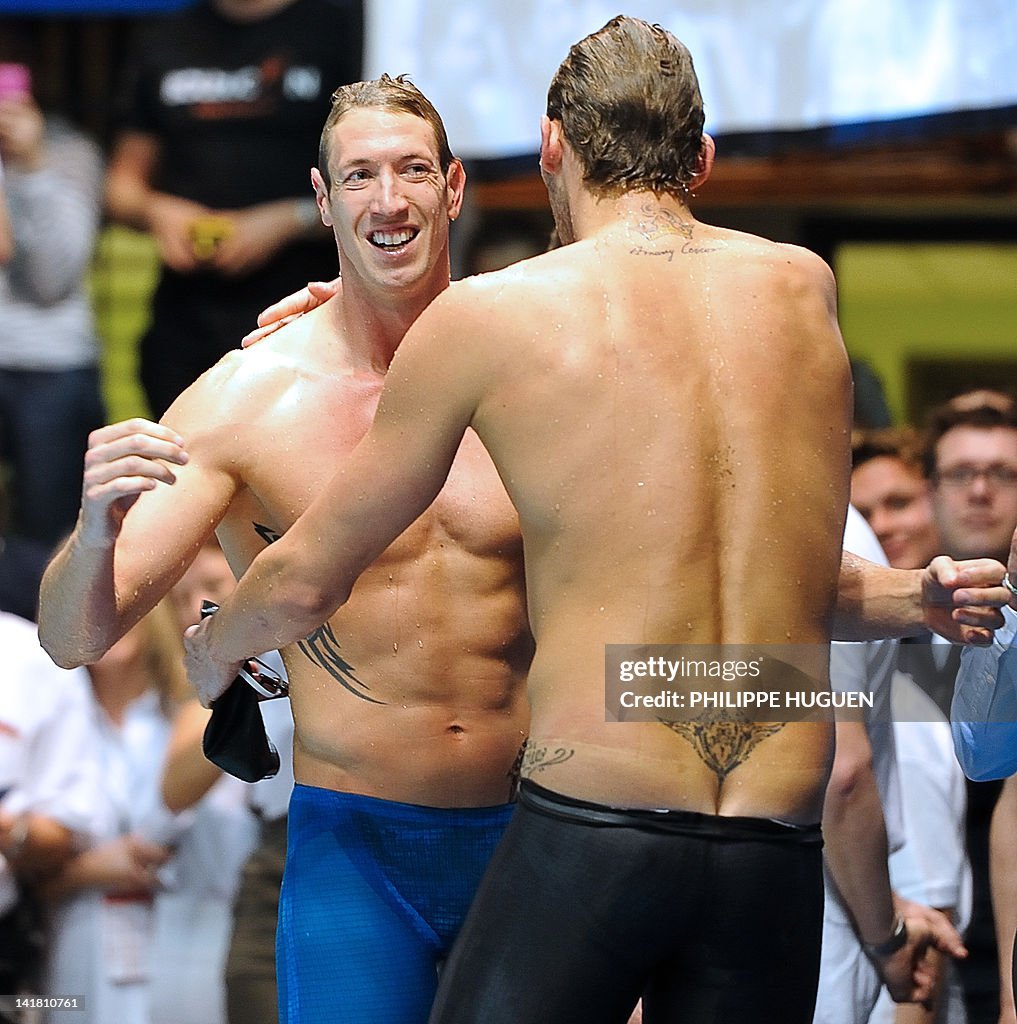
(563, 450)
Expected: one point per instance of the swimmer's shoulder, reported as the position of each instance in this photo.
(247, 383)
(794, 265)
(523, 285)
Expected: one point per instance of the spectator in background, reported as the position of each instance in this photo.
(863, 822)
(932, 867)
(49, 377)
(889, 488)
(22, 563)
(49, 787)
(103, 914)
(196, 950)
(222, 110)
(971, 460)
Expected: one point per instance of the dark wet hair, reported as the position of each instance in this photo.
(629, 104)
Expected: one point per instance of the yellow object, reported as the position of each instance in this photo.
(207, 233)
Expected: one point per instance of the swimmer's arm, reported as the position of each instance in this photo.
(958, 600)
(149, 501)
(393, 475)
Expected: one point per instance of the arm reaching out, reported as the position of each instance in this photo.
(393, 475)
(958, 600)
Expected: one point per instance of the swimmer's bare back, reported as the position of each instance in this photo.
(670, 414)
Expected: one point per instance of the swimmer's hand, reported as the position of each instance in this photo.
(296, 304)
(209, 676)
(123, 461)
(961, 600)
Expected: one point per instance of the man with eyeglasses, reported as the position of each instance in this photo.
(971, 463)
(971, 460)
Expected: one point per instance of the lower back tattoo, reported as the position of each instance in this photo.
(723, 745)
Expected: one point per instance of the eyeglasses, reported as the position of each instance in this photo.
(265, 682)
(965, 476)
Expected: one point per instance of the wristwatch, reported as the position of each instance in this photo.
(899, 936)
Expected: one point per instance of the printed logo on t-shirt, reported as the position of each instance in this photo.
(215, 93)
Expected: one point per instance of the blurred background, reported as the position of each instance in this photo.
(880, 133)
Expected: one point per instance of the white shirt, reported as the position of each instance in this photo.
(869, 667)
(47, 757)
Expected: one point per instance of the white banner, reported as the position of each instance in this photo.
(762, 64)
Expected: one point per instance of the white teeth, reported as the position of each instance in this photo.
(391, 238)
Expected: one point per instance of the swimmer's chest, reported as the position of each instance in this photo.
(288, 466)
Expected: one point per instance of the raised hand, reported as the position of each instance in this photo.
(123, 461)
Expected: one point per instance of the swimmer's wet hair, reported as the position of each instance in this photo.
(629, 104)
(398, 95)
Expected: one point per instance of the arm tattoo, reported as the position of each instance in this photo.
(723, 745)
(322, 647)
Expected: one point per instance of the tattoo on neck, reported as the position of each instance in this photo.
(724, 745)
(640, 251)
(655, 222)
(322, 647)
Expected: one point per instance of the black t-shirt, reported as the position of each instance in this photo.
(239, 107)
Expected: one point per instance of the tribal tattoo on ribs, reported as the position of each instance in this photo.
(322, 646)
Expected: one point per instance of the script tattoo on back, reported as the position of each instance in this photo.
(322, 647)
(723, 745)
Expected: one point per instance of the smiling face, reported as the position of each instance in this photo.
(389, 203)
(894, 498)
